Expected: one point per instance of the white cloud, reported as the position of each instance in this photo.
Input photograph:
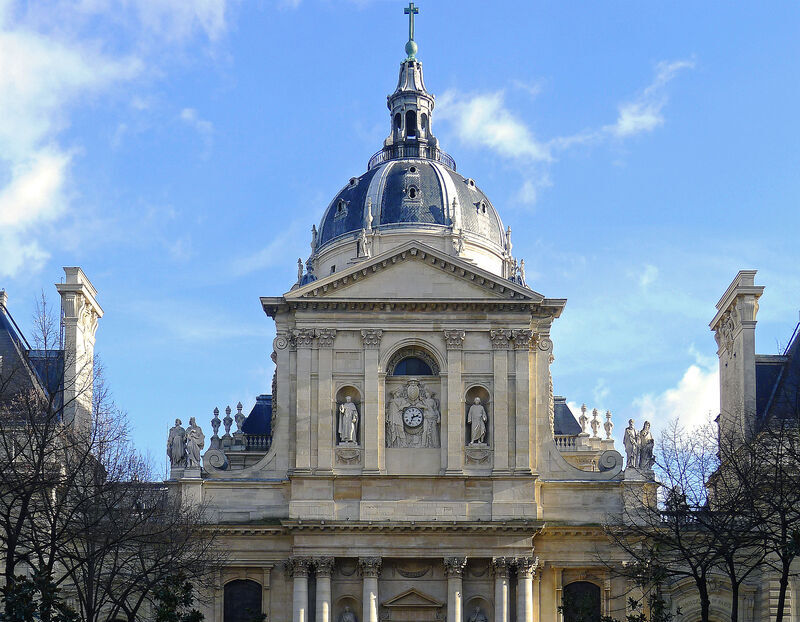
(648, 275)
(645, 112)
(692, 400)
(40, 79)
(203, 127)
(483, 120)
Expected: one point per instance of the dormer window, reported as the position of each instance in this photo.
(341, 209)
(413, 192)
(483, 207)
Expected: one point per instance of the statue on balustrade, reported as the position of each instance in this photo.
(348, 422)
(195, 441)
(631, 442)
(646, 444)
(176, 445)
(477, 423)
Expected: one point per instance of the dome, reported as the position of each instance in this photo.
(410, 191)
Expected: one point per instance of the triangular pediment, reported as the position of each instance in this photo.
(413, 599)
(414, 271)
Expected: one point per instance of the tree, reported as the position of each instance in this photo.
(79, 508)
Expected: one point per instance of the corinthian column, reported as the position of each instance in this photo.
(454, 569)
(324, 567)
(370, 568)
(298, 567)
(500, 567)
(526, 567)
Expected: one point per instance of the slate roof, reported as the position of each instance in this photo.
(259, 421)
(778, 381)
(40, 368)
(393, 204)
(564, 421)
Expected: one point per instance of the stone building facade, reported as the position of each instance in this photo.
(411, 462)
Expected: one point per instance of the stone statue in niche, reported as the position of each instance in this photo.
(195, 441)
(413, 417)
(476, 417)
(478, 615)
(348, 422)
(631, 442)
(347, 615)
(176, 445)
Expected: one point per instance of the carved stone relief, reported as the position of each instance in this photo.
(412, 417)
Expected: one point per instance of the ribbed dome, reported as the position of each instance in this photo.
(413, 190)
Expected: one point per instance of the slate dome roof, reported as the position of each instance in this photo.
(416, 191)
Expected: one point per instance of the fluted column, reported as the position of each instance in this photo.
(305, 340)
(454, 569)
(526, 566)
(370, 569)
(455, 403)
(324, 568)
(298, 567)
(501, 591)
(374, 429)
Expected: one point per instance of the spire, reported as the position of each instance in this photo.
(411, 45)
(411, 105)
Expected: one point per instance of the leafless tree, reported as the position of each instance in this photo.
(80, 506)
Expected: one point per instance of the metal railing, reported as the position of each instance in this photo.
(411, 150)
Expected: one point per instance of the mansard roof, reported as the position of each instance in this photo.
(778, 381)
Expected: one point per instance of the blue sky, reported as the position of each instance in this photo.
(180, 151)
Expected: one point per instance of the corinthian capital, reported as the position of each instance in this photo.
(324, 566)
(523, 339)
(369, 566)
(326, 337)
(454, 339)
(454, 566)
(304, 337)
(500, 338)
(371, 338)
(526, 566)
(298, 566)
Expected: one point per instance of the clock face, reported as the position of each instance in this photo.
(412, 417)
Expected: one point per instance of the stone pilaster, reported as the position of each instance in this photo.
(454, 569)
(454, 340)
(372, 413)
(325, 412)
(80, 313)
(370, 570)
(298, 569)
(324, 569)
(500, 567)
(500, 345)
(522, 415)
(526, 568)
(305, 341)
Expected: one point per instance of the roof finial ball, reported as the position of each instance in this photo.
(411, 46)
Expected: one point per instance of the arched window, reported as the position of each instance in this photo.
(412, 361)
(242, 601)
(412, 366)
(398, 121)
(423, 122)
(581, 602)
(411, 124)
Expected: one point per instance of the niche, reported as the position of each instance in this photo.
(345, 431)
(481, 393)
